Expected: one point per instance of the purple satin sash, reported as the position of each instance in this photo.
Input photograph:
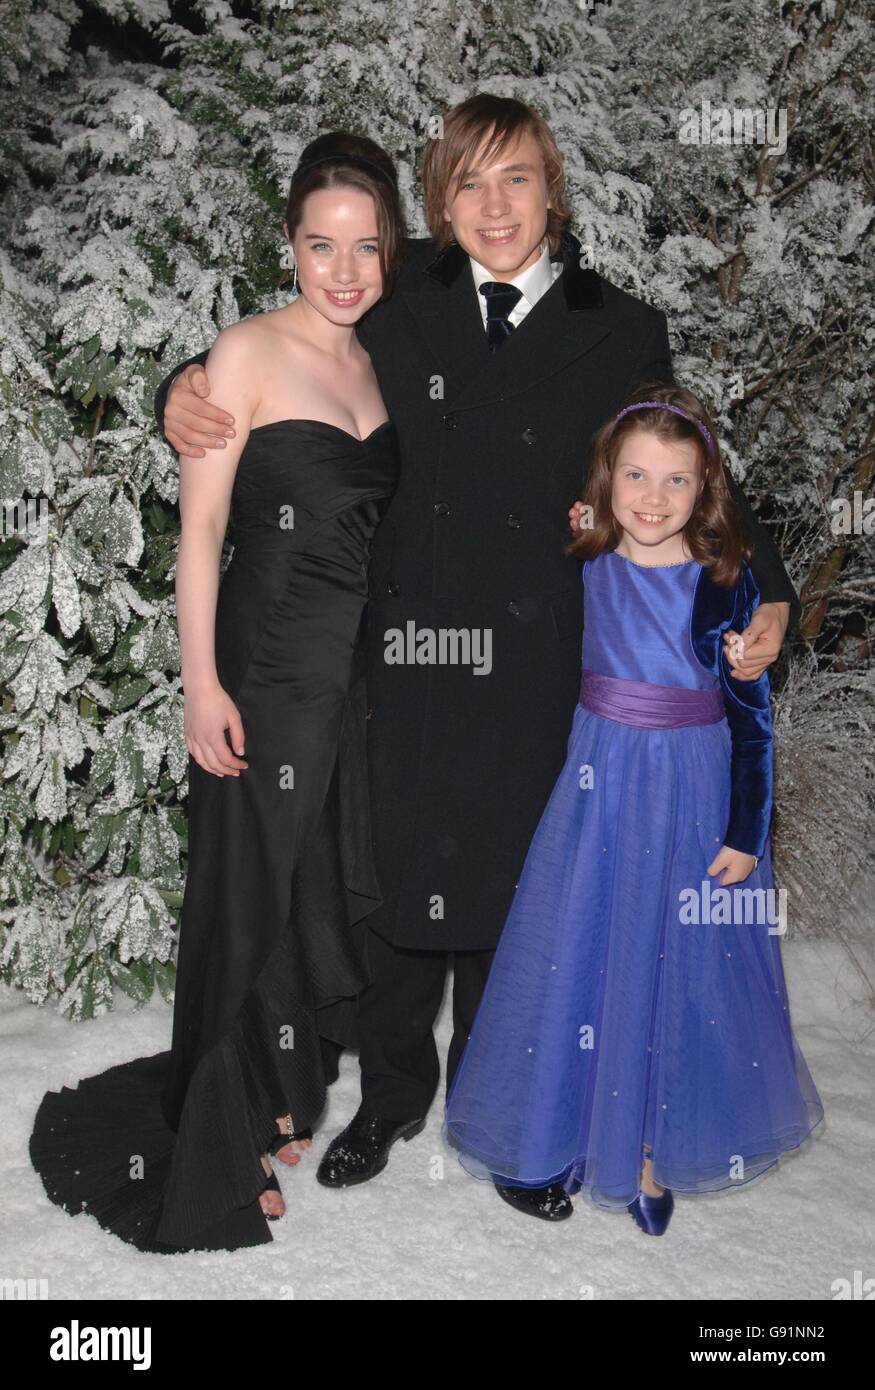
(649, 706)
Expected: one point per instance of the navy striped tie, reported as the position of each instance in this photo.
(500, 300)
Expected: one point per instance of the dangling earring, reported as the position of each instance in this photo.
(288, 262)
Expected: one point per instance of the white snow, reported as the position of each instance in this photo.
(424, 1229)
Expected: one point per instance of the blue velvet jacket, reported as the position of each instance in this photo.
(748, 710)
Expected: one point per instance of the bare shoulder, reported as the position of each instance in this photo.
(263, 336)
(238, 339)
(235, 366)
(241, 349)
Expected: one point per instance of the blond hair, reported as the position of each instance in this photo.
(464, 129)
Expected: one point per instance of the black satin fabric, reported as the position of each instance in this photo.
(280, 872)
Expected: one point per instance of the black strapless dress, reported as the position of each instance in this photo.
(164, 1151)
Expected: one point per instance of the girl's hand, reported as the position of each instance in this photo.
(735, 864)
(208, 712)
(574, 516)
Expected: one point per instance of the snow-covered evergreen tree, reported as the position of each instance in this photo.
(145, 153)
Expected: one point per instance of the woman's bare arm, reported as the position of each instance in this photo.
(205, 487)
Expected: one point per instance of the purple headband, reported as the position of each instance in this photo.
(676, 410)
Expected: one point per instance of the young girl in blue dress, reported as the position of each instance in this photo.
(634, 1036)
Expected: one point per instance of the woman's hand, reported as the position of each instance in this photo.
(574, 516)
(735, 864)
(208, 712)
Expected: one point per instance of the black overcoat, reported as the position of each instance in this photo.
(463, 754)
(493, 452)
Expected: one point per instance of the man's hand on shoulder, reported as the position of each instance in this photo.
(191, 423)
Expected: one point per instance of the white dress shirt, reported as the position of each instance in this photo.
(532, 283)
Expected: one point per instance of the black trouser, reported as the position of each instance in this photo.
(396, 1014)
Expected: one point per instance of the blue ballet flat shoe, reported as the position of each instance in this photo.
(652, 1214)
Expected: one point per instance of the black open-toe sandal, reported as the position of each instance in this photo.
(280, 1140)
(271, 1185)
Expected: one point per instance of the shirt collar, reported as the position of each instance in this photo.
(581, 288)
(532, 283)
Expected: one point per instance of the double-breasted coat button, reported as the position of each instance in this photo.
(393, 587)
(450, 422)
(529, 436)
(442, 508)
(514, 519)
(513, 608)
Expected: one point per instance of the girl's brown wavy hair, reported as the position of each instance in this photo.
(713, 533)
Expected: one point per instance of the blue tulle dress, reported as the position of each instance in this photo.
(614, 1024)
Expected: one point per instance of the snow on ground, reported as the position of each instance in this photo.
(424, 1229)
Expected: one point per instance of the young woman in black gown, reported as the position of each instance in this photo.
(170, 1152)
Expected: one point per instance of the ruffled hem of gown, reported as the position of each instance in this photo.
(475, 1160)
(105, 1147)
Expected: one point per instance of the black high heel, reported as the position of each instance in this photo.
(280, 1140)
(271, 1185)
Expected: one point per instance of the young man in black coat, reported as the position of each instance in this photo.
(498, 355)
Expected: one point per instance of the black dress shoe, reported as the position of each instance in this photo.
(361, 1151)
(551, 1203)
